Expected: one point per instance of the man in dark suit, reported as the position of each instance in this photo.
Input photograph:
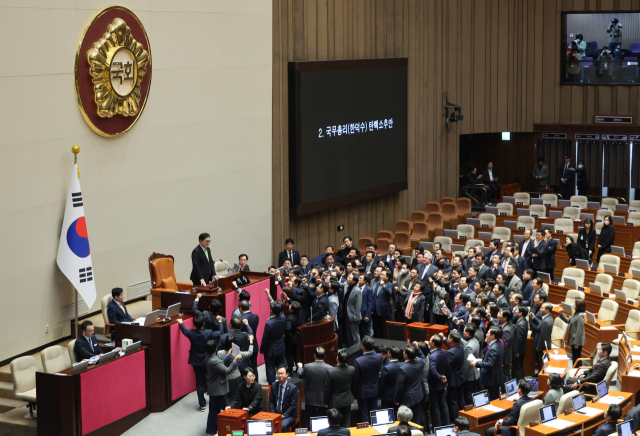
(493, 250)
(365, 379)
(198, 352)
(254, 321)
(289, 253)
(320, 305)
(439, 373)
(611, 416)
(315, 375)
(427, 269)
(284, 398)
(116, 310)
(566, 181)
(491, 364)
(541, 331)
(539, 253)
(337, 392)
(366, 310)
(334, 429)
(483, 270)
(388, 378)
(527, 286)
(211, 317)
(594, 375)
(521, 262)
(456, 359)
(525, 246)
(243, 260)
(550, 259)
(524, 387)
(240, 338)
(202, 270)
(519, 350)
(382, 308)
(490, 180)
(410, 390)
(272, 346)
(504, 318)
(87, 345)
(462, 427)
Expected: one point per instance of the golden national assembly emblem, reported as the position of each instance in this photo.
(113, 71)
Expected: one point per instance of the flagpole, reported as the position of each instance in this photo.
(75, 150)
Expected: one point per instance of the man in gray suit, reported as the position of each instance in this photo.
(513, 282)
(217, 383)
(353, 303)
(541, 174)
(315, 375)
(337, 393)
(471, 374)
(541, 331)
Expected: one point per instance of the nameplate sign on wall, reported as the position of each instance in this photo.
(112, 71)
(613, 119)
(587, 136)
(634, 137)
(554, 135)
(614, 137)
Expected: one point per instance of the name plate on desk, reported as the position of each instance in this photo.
(628, 255)
(503, 213)
(362, 425)
(568, 411)
(598, 221)
(521, 228)
(485, 225)
(468, 407)
(621, 274)
(554, 283)
(534, 423)
(241, 432)
(241, 280)
(559, 231)
(534, 216)
(519, 203)
(462, 237)
(547, 205)
(298, 431)
(580, 288)
(630, 224)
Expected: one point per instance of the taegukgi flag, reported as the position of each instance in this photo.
(74, 255)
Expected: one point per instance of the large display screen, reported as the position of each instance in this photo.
(347, 131)
(600, 48)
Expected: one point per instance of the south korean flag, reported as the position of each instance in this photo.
(74, 255)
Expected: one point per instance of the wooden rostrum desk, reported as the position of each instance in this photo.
(314, 334)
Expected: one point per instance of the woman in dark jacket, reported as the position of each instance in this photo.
(414, 304)
(248, 396)
(607, 237)
(587, 238)
(583, 179)
(574, 251)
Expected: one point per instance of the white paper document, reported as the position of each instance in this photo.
(235, 350)
(554, 370)
(559, 357)
(471, 358)
(635, 357)
(607, 327)
(382, 429)
(635, 348)
(590, 411)
(634, 373)
(140, 320)
(558, 424)
(492, 408)
(610, 399)
(580, 372)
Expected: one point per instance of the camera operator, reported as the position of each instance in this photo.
(615, 33)
(573, 63)
(605, 69)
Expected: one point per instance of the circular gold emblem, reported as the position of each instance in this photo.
(113, 84)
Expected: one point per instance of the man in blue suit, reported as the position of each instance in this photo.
(491, 375)
(410, 390)
(388, 378)
(566, 181)
(116, 310)
(366, 311)
(552, 245)
(524, 387)
(539, 253)
(272, 345)
(284, 398)
(320, 305)
(87, 344)
(197, 354)
(437, 380)
(427, 269)
(455, 356)
(364, 384)
(382, 308)
(254, 320)
(493, 250)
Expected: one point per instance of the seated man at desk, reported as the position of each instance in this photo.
(116, 310)
(462, 427)
(524, 387)
(284, 398)
(611, 417)
(87, 345)
(334, 428)
(594, 375)
(404, 415)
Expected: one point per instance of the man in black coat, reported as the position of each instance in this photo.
(524, 387)
(211, 317)
(539, 253)
(197, 354)
(240, 338)
(334, 429)
(337, 393)
(491, 365)
(455, 356)
(519, 349)
(87, 345)
(550, 259)
(490, 180)
(254, 321)
(388, 378)
(566, 178)
(438, 376)
(410, 390)
(289, 253)
(272, 345)
(202, 270)
(611, 416)
(597, 372)
(284, 398)
(364, 384)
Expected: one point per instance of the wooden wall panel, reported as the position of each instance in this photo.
(497, 59)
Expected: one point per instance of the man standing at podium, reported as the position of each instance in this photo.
(203, 270)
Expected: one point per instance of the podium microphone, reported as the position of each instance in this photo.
(231, 269)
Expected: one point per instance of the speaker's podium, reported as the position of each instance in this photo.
(314, 334)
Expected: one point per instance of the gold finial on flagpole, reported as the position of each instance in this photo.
(75, 150)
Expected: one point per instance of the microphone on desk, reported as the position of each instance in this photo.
(227, 265)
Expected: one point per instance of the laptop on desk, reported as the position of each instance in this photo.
(491, 209)
(625, 428)
(602, 389)
(584, 216)
(449, 430)
(507, 199)
(132, 348)
(457, 247)
(570, 283)
(582, 264)
(635, 273)
(511, 224)
(260, 427)
(568, 309)
(481, 399)
(618, 251)
(522, 212)
(518, 238)
(555, 214)
(511, 388)
(428, 246)
(591, 318)
(473, 221)
(620, 295)
(593, 205)
(564, 203)
(546, 278)
(484, 236)
(547, 413)
(319, 423)
(618, 220)
(622, 207)
(595, 289)
(609, 268)
(108, 357)
(79, 367)
(381, 419)
(537, 201)
(453, 234)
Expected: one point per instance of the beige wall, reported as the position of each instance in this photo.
(198, 160)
